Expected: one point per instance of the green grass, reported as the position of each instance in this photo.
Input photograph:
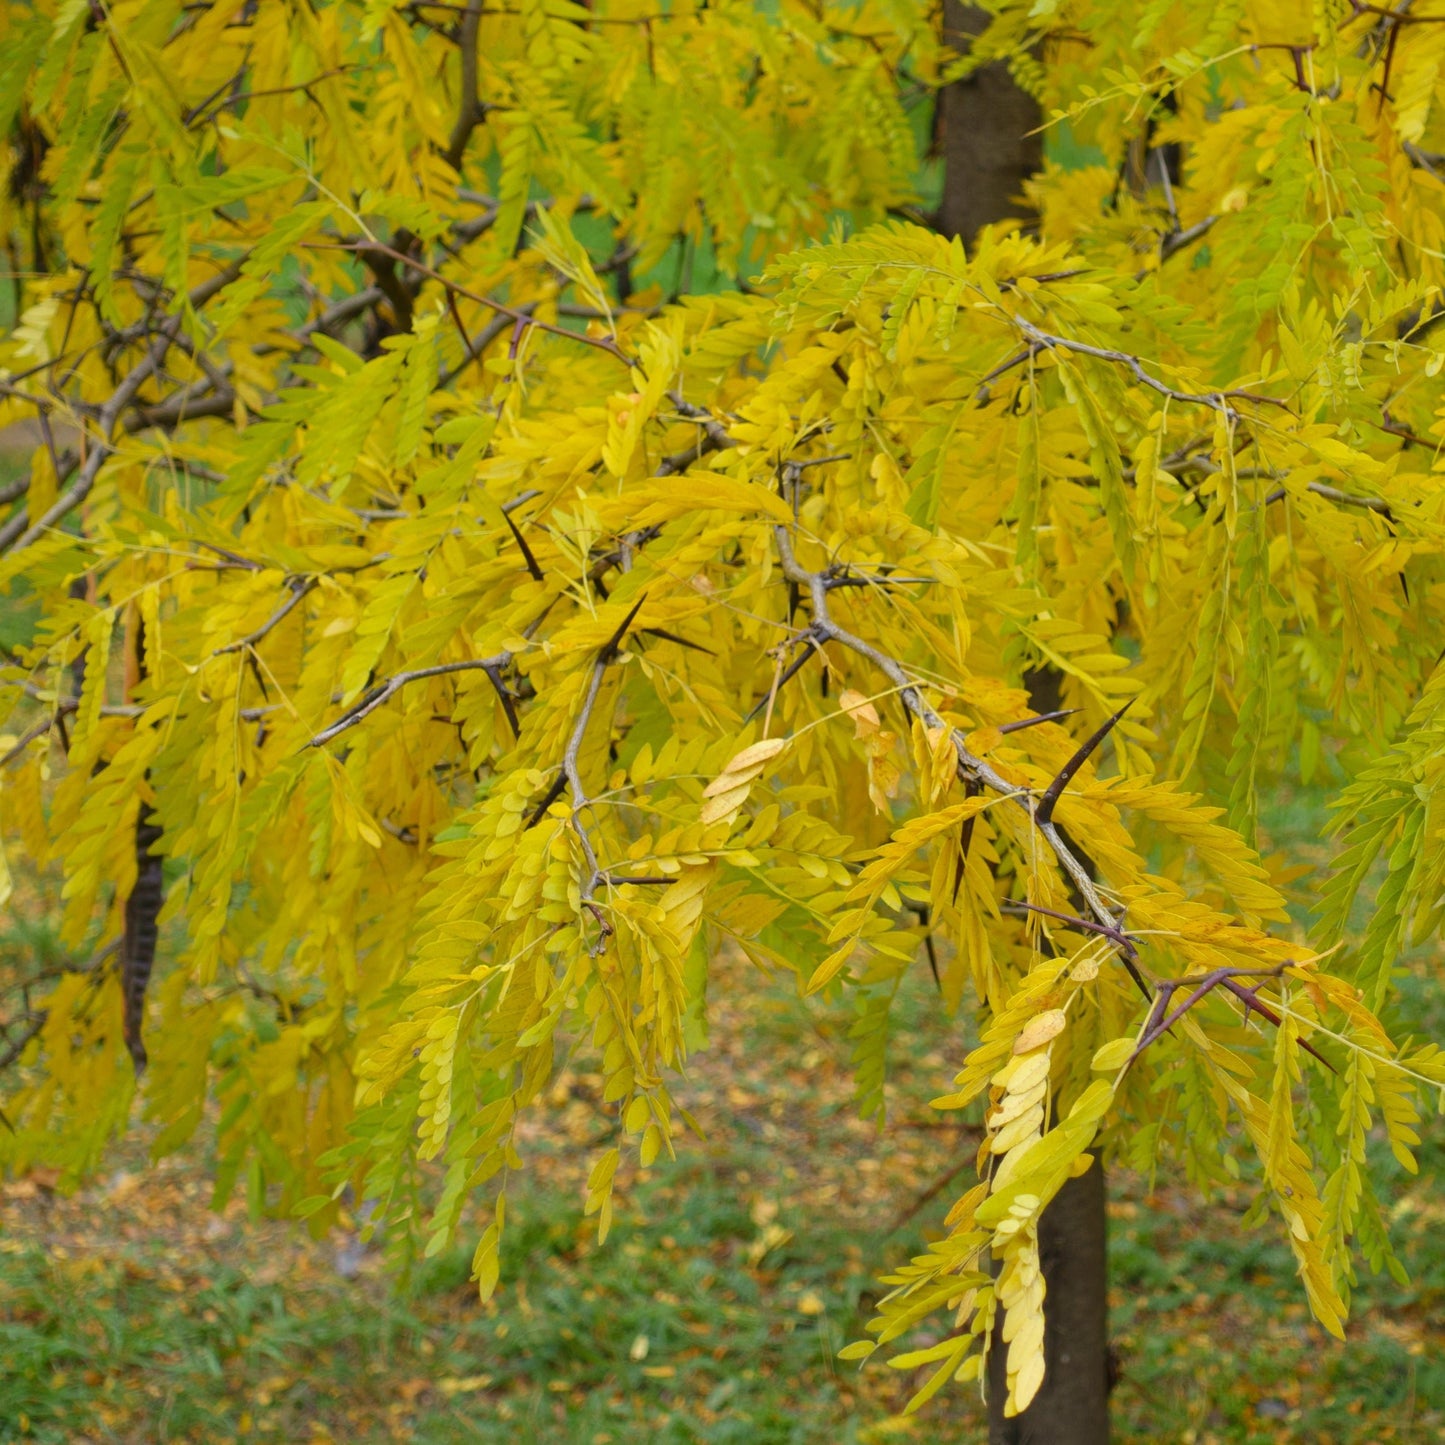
(668, 1333)
(151, 1341)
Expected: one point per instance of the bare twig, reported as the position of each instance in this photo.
(714, 437)
(1176, 240)
(1215, 400)
(1345, 499)
(572, 773)
(300, 586)
(385, 691)
(808, 638)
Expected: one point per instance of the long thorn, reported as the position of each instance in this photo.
(609, 648)
(559, 783)
(971, 789)
(791, 670)
(1251, 1000)
(1031, 722)
(673, 637)
(1044, 808)
(494, 675)
(531, 561)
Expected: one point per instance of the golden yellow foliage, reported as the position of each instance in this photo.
(475, 631)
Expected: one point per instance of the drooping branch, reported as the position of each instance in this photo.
(970, 768)
(1345, 499)
(1215, 400)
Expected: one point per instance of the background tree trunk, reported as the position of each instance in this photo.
(988, 151)
(1072, 1406)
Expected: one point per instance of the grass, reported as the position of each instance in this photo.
(129, 1313)
(728, 1285)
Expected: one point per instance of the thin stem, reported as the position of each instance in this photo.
(367, 705)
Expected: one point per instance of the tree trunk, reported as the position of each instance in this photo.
(988, 148)
(989, 153)
(1072, 1405)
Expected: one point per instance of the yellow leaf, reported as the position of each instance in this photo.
(724, 805)
(1023, 1073)
(1026, 1383)
(760, 752)
(865, 717)
(726, 782)
(1038, 1031)
(1112, 1055)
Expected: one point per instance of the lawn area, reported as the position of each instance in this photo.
(130, 1312)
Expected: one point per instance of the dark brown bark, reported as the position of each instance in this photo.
(1072, 1406)
(991, 146)
(143, 907)
(988, 151)
(138, 944)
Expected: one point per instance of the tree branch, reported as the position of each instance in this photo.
(367, 705)
(300, 586)
(15, 533)
(470, 111)
(970, 768)
(1215, 400)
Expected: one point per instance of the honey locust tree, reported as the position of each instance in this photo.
(453, 634)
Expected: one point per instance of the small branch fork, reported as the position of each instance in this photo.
(1040, 340)
(383, 692)
(1161, 1019)
(1115, 935)
(300, 586)
(20, 531)
(809, 640)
